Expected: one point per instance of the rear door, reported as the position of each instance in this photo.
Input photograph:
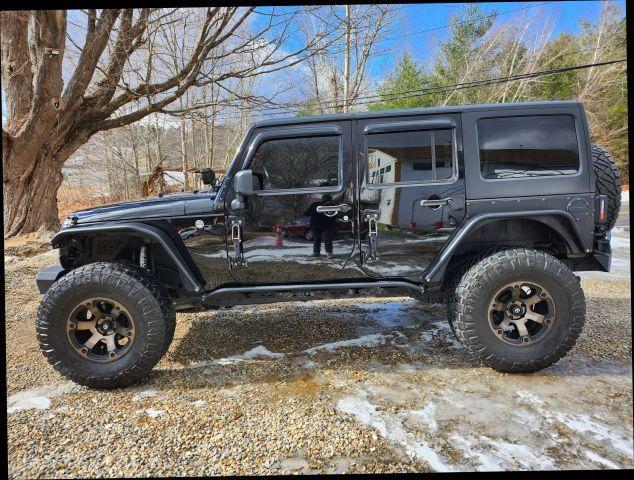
(296, 166)
(412, 191)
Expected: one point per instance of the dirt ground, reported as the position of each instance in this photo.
(369, 385)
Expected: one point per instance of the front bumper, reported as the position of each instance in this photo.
(48, 276)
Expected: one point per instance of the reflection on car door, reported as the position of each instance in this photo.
(411, 191)
(297, 168)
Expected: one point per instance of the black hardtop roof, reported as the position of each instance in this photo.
(411, 111)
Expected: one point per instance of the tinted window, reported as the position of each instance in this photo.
(416, 156)
(290, 163)
(532, 146)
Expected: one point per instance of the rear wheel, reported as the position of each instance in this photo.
(518, 310)
(105, 325)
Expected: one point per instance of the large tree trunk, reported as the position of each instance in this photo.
(31, 181)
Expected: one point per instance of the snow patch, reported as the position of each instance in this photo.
(625, 195)
(151, 412)
(619, 242)
(39, 398)
(371, 340)
(426, 416)
(199, 403)
(391, 427)
(582, 423)
(599, 459)
(41, 403)
(150, 392)
(257, 352)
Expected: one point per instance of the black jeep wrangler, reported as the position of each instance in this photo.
(490, 208)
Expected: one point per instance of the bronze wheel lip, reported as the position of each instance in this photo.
(111, 346)
(504, 317)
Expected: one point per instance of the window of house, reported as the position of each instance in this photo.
(527, 146)
(410, 157)
(292, 163)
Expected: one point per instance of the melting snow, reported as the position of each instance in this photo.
(391, 427)
(599, 459)
(259, 351)
(366, 340)
(153, 413)
(38, 398)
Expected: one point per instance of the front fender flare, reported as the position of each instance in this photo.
(573, 237)
(191, 281)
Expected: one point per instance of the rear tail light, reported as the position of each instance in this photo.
(601, 209)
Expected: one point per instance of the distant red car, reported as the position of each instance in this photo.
(301, 228)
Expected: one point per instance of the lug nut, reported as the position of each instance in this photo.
(526, 339)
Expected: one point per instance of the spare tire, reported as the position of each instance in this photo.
(607, 181)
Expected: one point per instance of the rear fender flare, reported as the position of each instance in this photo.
(562, 222)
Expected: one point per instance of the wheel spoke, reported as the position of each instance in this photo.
(505, 324)
(86, 324)
(521, 328)
(110, 345)
(535, 317)
(532, 300)
(92, 341)
(497, 306)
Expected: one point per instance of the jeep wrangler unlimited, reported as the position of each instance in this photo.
(490, 208)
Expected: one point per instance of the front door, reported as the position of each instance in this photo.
(412, 192)
(298, 226)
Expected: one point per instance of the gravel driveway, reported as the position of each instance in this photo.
(326, 386)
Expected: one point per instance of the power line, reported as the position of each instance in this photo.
(449, 88)
(404, 94)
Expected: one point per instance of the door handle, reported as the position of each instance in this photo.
(332, 210)
(436, 203)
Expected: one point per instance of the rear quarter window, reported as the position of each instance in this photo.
(527, 146)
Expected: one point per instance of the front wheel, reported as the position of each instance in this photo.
(105, 325)
(518, 310)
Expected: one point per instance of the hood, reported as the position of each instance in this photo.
(174, 205)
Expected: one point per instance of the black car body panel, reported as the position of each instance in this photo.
(416, 175)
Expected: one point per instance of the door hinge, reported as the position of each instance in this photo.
(236, 237)
(372, 217)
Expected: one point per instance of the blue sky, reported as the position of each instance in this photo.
(565, 16)
(415, 18)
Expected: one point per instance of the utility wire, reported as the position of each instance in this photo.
(447, 88)
(457, 86)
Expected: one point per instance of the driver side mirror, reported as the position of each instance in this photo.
(243, 185)
(244, 182)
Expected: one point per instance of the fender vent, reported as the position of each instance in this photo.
(105, 247)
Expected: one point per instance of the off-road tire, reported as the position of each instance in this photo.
(145, 299)
(607, 181)
(456, 275)
(478, 286)
(165, 300)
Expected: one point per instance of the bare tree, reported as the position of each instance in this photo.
(47, 120)
(338, 75)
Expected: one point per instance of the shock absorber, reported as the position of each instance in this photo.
(143, 257)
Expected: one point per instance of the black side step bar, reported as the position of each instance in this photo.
(276, 293)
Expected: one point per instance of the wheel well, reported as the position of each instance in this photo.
(500, 234)
(78, 250)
